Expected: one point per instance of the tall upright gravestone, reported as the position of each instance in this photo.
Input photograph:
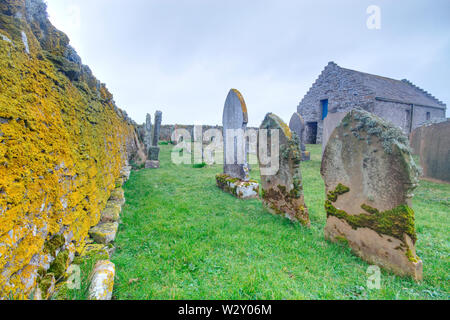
(282, 189)
(148, 132)
(297, 125)
(153, 151)
(369, 179)
(235, 178)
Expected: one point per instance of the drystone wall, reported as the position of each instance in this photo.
(63, 143)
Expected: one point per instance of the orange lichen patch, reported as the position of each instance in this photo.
(283, 126)
(62, 146)
(243, 105)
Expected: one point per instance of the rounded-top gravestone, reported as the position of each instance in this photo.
(297, 125)
(369, 177)
(235, 119)
(282, 189)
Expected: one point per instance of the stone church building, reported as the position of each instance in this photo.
(338, 90)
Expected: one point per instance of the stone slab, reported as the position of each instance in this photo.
(151, 164)
(238, 188)
(102, 282)
(104, 232)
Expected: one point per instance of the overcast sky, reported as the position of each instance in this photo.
(183, 56)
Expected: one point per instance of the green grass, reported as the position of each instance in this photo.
(183, 238)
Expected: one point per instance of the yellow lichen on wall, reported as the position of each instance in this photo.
(62, 146)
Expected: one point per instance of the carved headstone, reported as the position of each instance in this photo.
(235, 121)
(297, 125)
(369, 178)
(148, 131)
(282, 191)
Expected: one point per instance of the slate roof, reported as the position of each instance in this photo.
(397, 90)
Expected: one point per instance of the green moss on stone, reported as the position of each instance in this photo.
(340, 189)
(54, 244)
(59, 265)
(395, 222)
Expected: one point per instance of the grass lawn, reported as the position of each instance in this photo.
(183, 238)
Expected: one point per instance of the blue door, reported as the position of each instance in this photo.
(324, 104)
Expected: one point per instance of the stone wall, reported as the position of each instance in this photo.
(167, 130)
(63, 143)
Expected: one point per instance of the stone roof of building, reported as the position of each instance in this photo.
(396, 90)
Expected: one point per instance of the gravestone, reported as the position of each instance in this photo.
(236, 179)
(282, 191)
(297, 125)
(434, 151)
(331, 121)
(370, 176)
(153, 150)
(157, 129)
(148, 132)
(235, 117)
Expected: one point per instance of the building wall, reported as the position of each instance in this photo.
(420, 115)
(344, 91)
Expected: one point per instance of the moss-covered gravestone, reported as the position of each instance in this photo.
(282, 189)
(297, 126)
(369, 178)
(235, 178)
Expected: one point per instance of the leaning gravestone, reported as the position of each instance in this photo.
(282, 191)
(236, 179)
(153, 151)
(369, 179)
(434, 151)
(297, 125)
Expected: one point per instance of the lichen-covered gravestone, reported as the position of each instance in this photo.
(282, 191)
(297, 126)
(153, 151)
(369, 178)
(236, 179)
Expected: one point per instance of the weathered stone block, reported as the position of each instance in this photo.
(369, 178)
(111, 213)
(151, 164)
(96, 249)
(102, 282)
(117, 195)
(282, 191)
(238, 188)
(104, 232)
